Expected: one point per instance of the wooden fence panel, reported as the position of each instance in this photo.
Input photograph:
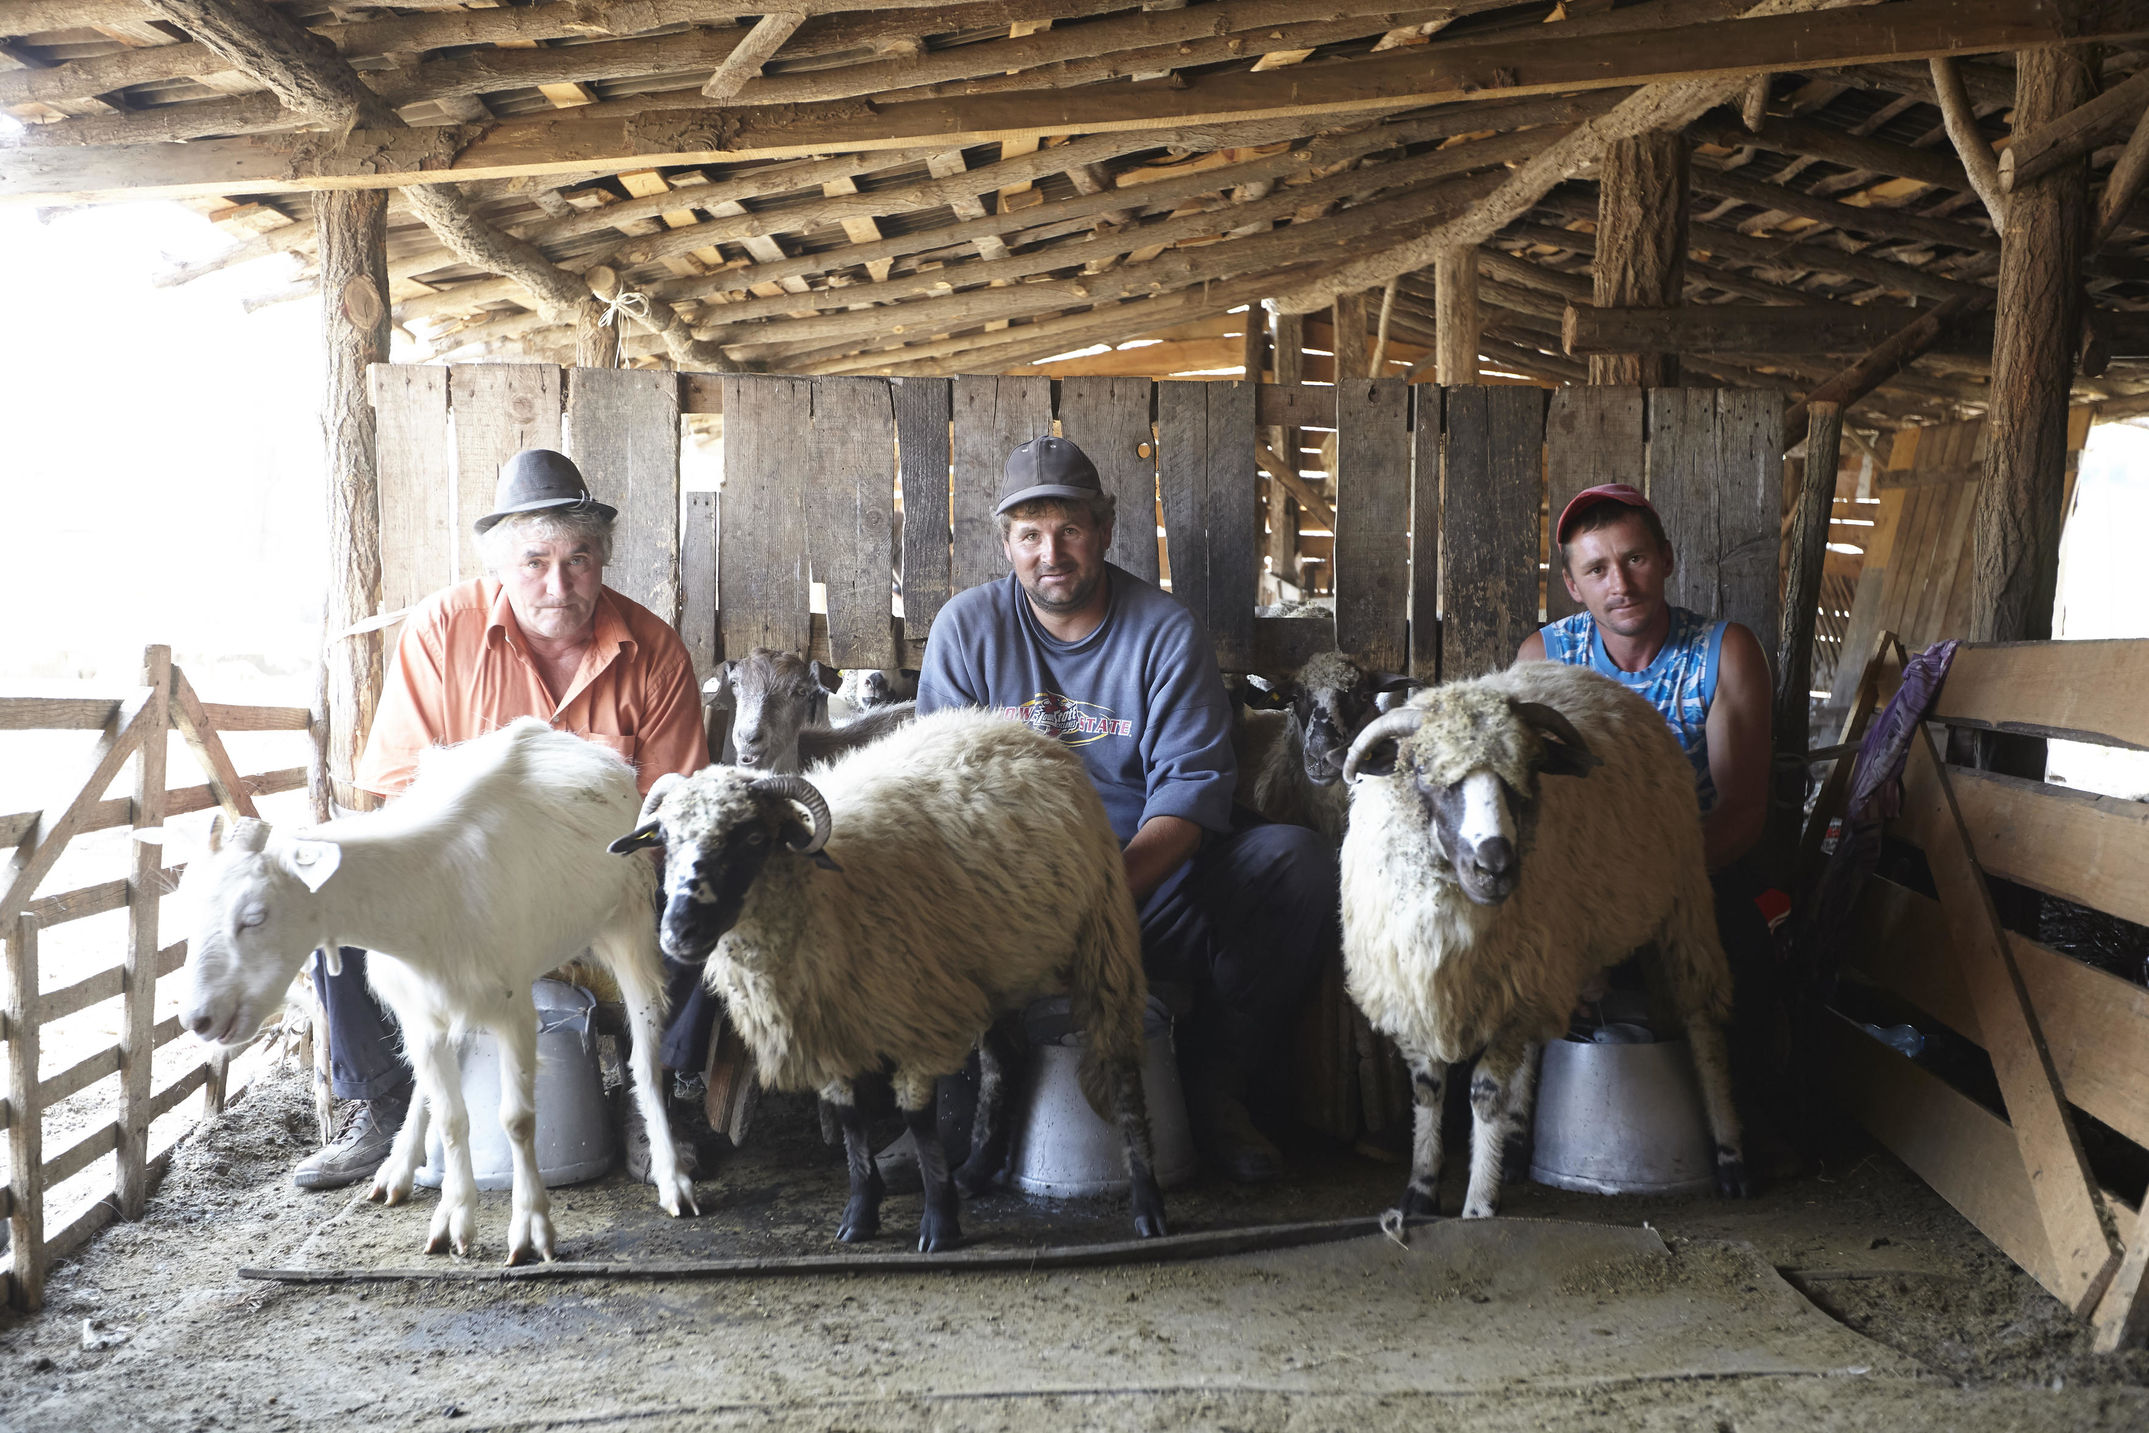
(26, 1122)
(921, 425)
(850, 490)
(697, 583)
(1428, 456)
(499, 409)
(762, 595)
(1716, 477)
(1593, 435)
(1108, 418)
(993, 416)
(623, 432)
(1205, 475)
(1492, 488)
(2085, 691)
(417, 481)
(1372, 549)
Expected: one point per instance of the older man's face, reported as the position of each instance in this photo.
(1058, 557)
(552, 583)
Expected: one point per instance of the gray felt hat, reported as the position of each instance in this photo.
(1047, 468)
(536, 479)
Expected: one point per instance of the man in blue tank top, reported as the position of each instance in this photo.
(1121, 671)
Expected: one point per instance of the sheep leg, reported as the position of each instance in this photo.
(1428, 1078)
(940, 1225)
(631, 956)
(1130, 1108)
(861, 1216)
(398, 1173)
(990, 1129)
(1499, 1092)
(1705, 1041)
(529, 1230)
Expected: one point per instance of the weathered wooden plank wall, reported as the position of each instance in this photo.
(1492, 489)
(417, 489)
(762, 591)
(1593, 435)
(1716, 476)
(1205, 467)
(921, 426)
(1108, 418)
(1372, 550)
(850, 493)
(992, 416)
(500, 409)
(623, 432)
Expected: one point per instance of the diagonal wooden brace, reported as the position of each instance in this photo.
(208, 748)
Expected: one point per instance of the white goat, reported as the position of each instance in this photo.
(941, 879)
(488, 872)
(1477, 899)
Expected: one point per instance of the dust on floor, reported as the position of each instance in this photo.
(1608, 1328)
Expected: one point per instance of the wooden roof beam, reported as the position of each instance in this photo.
(1880, 223)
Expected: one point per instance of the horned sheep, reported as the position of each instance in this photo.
(886, 913)
(1294, 755)
(1510, 837)
(489, 871)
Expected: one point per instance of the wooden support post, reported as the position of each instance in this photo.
(1794, 645)
(354, 320)
(26, 1123)
(596, 326)
(1290, 363)
(145, 889)
(1349, 326)
(1456, 326)
(1641, 244)
(1253, 343)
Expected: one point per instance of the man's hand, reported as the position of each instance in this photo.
(1738, 749)
(1162, 846)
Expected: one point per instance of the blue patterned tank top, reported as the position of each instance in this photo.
(1680, 683)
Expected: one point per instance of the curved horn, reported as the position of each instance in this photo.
(658, 790)
(800, 790)
(1389, 726)
(1570, 754)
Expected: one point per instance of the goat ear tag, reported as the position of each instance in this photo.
(1379, 759)
(315, 861)
(641, 838)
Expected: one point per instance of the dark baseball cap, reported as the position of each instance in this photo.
(1048, 468)
(536, 479)
(1588, 498)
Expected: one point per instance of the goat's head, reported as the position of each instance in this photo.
(774, 694)
(1331, 700)
(253, 917)
(718, 828)
(1473, 757)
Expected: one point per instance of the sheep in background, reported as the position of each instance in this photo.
(779, 706)
(1292, 759)
(1510, 837)
(939, 880)
(490, 871)
(869, 689)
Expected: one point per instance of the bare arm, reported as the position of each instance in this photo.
(1738, 749)
(1162, 845)
(1532, 648)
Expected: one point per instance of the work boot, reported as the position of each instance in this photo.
(1223, 1131)
(369, 1130)
(634, 1136)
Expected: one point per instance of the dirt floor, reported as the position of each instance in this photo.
(1850, 1296)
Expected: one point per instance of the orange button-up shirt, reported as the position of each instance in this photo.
(463, 668)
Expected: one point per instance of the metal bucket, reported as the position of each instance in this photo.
(575, 1140)
(1621, 1119)
(1065, 1151)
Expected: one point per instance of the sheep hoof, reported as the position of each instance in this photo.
(1149, 1224)
(678, 1199)
(1419, 1203)
(1731, 1180)
(858, 1225)
(1475, 1209)
(938, 1231)
(437, 1242)
(1148, 1205)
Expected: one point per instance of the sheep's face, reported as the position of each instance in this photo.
(251, 918)
(869, 688)
(1482, 825)
(718, 829)
(1331, 701)
(774, 694)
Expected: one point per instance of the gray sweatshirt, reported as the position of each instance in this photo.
(1139, 698)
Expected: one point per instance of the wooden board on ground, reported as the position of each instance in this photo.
(697, 583)
(1205, 476)
(763, 599)
(993, 416)
(417, 481)
(850, 491)
(1108, 418)
(1491, 491)
(500, 409)
(1372, 553)
(1593, 435)
(623, 432)
(1716, 477)
(921, 424)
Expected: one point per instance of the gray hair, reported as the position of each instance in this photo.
(505, 540)
(1099, 511)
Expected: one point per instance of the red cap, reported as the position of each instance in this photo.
(1588, 498)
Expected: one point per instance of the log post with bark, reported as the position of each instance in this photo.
(1457, 327)
(1642, 192)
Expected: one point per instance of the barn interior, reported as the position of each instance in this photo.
(1353, 297)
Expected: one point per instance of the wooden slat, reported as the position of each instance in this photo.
(623, 432)
(850, 490)
(762, 593)
(168, 1098)
(2084, 691)
(144, 907)
(921, 426)
(225, 717)
(1108, 418)
(56, 713)
(1205, 480)
(68, 999)
(500, 409)
(1295, 405)
(1492, 489)
(178, 802)
(1963, 1150)
(78, 1077)
(417, 481)
(1716, 477)
(26, 1132)
(993, 416)
(2075, 844)
(208, 749)
(35, 853)
(697, 583)
(2083, 1259)
(164, 1032)
(1428, 443)
(1372, 552)
(2095, 1023)
(80, 903)
(83, 1153)
(1593, 435)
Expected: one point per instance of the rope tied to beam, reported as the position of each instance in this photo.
(627, 302)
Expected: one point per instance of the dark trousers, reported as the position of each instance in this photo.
(1247, 925)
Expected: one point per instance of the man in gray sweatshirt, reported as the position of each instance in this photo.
(1241, 912)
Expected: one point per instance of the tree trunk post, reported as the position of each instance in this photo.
(1456, 325)
(1349, 343)
(1641, 245)
(1808, 557)
(354, 324)
(1290, 367)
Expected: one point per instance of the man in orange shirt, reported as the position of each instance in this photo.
(540, 636)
